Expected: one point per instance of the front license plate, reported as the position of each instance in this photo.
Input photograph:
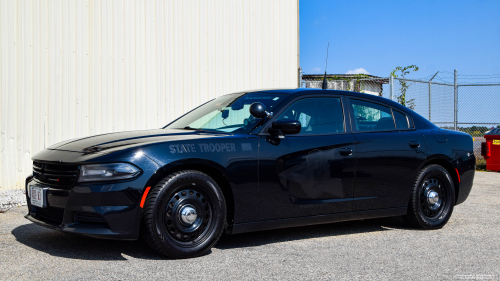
(37, 196)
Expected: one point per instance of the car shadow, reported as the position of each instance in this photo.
(71, 246)
(74, 246)
(260, 238)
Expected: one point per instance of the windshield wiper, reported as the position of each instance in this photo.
(203, 130)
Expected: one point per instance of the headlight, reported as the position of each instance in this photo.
(107, 172)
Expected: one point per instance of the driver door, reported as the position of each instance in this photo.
(313, 172)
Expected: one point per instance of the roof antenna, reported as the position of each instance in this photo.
(325, 84)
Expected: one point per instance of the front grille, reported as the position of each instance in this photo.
(90, 219)
(55, 174)
(50, 214)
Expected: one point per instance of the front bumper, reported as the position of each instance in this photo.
(108, 210)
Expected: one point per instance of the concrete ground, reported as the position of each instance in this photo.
(467, 248)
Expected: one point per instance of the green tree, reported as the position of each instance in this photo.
(403, 71)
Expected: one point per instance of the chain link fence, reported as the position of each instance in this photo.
(478, 112)
(466, 107)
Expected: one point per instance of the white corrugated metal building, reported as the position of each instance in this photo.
(76, 68)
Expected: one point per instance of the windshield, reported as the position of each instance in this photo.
(229, 113)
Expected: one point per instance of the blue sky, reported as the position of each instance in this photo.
(378, 36)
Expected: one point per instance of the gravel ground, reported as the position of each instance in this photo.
(467, 248)
(12, 198)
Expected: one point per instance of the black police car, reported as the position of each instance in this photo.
(253, 161)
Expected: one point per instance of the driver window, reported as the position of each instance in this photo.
(316, 115)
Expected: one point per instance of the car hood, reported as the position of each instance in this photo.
(121, 139)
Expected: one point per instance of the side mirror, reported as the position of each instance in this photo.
(258, 110)
(286, 127)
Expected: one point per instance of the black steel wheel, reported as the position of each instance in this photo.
(184, 215)
(432, 199)
(187, 215)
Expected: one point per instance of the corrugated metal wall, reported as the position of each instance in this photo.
(71, 69)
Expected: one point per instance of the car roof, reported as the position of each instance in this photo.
(305, 91)
(417, 119)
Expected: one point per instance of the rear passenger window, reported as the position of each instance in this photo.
(371, 116)
(401, 120)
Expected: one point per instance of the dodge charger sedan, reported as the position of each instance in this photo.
(253, 161)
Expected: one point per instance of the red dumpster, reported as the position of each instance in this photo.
(490, 149)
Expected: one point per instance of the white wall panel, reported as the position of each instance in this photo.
(74, 68)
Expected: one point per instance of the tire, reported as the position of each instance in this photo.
(184, 215)
(426, 210)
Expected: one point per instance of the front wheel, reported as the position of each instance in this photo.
(184, 215)
(432, 199)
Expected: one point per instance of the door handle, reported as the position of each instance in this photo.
(414, 144)
(345, 151)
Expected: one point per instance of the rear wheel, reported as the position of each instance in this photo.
(184, 215)
(432, 199)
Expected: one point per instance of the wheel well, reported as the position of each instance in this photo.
(217, 176)
(445, 164)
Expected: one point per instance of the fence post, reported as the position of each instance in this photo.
(300, 77)
(391, 87)
(430, 101)
(455, 102)
(430, 95)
